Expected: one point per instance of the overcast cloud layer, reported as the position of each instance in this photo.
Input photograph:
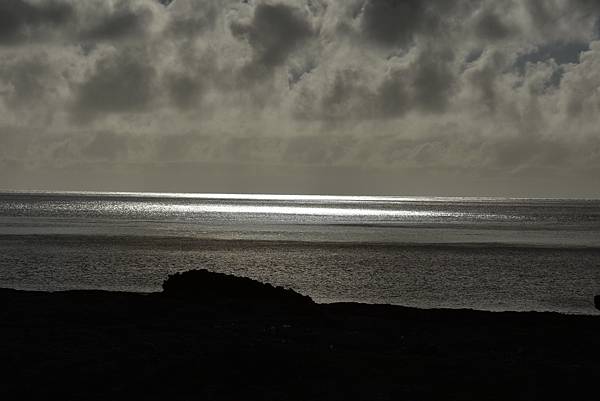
(453, 97)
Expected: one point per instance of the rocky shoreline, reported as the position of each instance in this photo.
(225, 338)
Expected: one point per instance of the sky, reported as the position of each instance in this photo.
(364, 97)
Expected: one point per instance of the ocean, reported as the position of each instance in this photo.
(430, 252)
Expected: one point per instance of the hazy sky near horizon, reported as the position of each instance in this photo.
(407, 97)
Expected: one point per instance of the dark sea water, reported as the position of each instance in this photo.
(484, 253)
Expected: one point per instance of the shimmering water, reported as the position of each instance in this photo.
(498, 254)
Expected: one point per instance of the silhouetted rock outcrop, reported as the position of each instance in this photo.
(597, 301)
(207, 286)
(129, 346)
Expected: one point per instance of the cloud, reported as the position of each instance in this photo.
(165, 3)
(21, 20)
(196, 18)
(120, 23)
(25, 79)
(392, 22)
(489, 26)
(185, 90)
(273, 32)
(106, 146)
(481, 91)
(119, 83)
(422, 82)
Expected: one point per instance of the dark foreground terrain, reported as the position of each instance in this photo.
(174, 345)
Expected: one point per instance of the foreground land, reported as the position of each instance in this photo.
(104, 345)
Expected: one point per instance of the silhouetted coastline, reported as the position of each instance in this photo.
(259, 342)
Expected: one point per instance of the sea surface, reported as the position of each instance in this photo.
(483, 253)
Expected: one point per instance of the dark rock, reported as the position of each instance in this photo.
(102, 346)
(206, 286)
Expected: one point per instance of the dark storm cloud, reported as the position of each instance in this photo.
(120, 83)
(541, 12)
(165, 3)
(394, 22)
(274, 32)
(184, 90)
(119, 24)
(490, 26)
(397, 22)
(20, 19)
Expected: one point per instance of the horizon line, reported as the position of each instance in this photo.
(281, 196)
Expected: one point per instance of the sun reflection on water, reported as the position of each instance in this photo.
(286, 210)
